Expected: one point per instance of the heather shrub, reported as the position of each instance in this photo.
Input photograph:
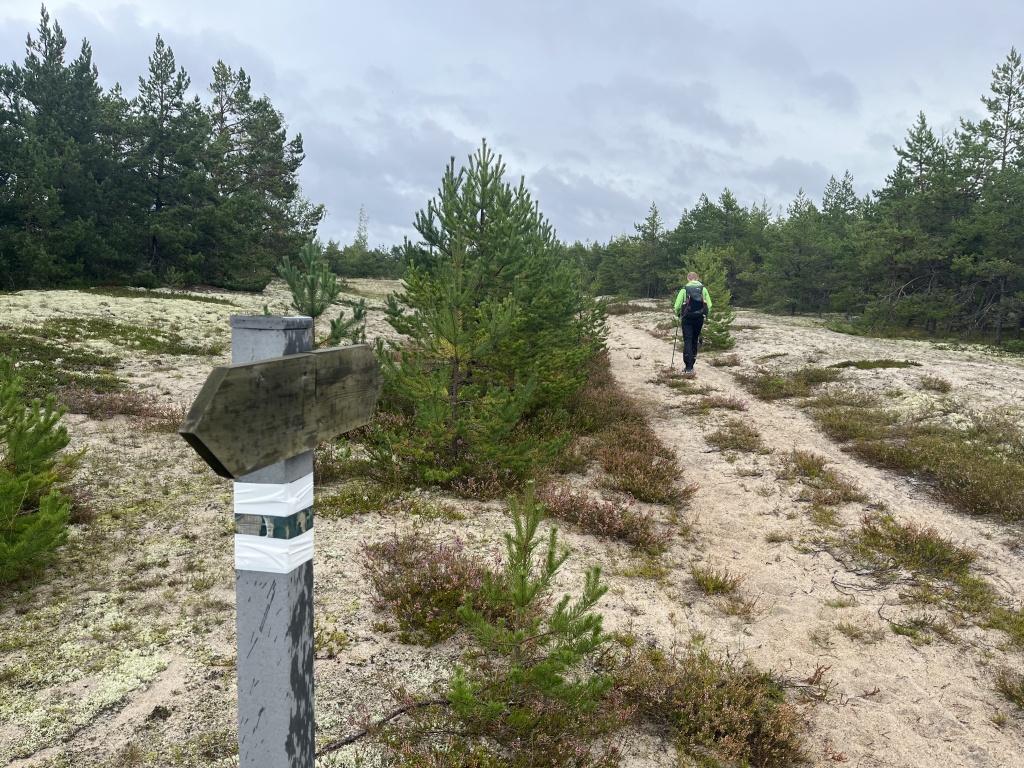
(706, 404)
(601, 403)
(725, 361)
(737, 435)
(934, 384)
(822, 486)
(717, 712)
(681, 382)
(715, 581)
(973, 477)
(867, 365)
(771, 385)
(917, 549)
(850, 422)
(422, 583)
(637, 462)
(125, 402)
(604, 518)
(1010, 685)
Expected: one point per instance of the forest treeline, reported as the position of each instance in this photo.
(940, 248)
(167, 189)
(160, 188)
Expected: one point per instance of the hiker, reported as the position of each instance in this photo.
(692, 305)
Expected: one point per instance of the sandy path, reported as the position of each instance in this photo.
(890, 702)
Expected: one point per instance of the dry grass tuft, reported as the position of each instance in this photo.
(715, 581)
(725, 402)
(725, 361)
(737, 435)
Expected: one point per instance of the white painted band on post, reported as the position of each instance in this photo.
(261, 553)
(274, 499)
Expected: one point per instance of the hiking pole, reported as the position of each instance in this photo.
(674, 337)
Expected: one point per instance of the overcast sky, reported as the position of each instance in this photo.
(604, 107)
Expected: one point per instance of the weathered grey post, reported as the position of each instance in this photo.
(257, 421)
(274, 579)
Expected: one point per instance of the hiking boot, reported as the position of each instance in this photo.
(688, 369)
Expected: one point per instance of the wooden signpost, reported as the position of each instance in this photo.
(257, 422)
(287, 405)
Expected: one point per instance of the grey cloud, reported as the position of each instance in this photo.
(770, 50)
(883, 142)
(393, 180)
(785, 176)
(836, 91)
(577, 205)
(687, 105)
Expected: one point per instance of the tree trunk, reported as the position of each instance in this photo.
(1000, 312)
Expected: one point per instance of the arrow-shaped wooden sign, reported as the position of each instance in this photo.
(251, 415)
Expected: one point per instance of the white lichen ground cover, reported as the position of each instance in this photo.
(124, 654)
(148, 586)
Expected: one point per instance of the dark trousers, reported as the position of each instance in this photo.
(691, 334)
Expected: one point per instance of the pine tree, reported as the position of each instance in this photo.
(796, 273)
(651, 264)
(58, 207)
(1003, 129)
(536, 695)
(167, 135)
(33, 514)
(709, 264)
(994, 229)
(498, 325)
(315, 288)
(259, 212)
(457, 418)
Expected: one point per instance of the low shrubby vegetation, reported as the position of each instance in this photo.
(725, 402)
(548, 686)
(681, 383)
(714, 581)
(46, 368)
(823, 487)
(1010, 686)
(724, 361)
(975, 462)
(933, 572)
(421, 583)
(606, 519)
(717, 711)
(127, 338)
(639, 464)
(934, 384)
(868, 365)
(771, 385)
(737, 435)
